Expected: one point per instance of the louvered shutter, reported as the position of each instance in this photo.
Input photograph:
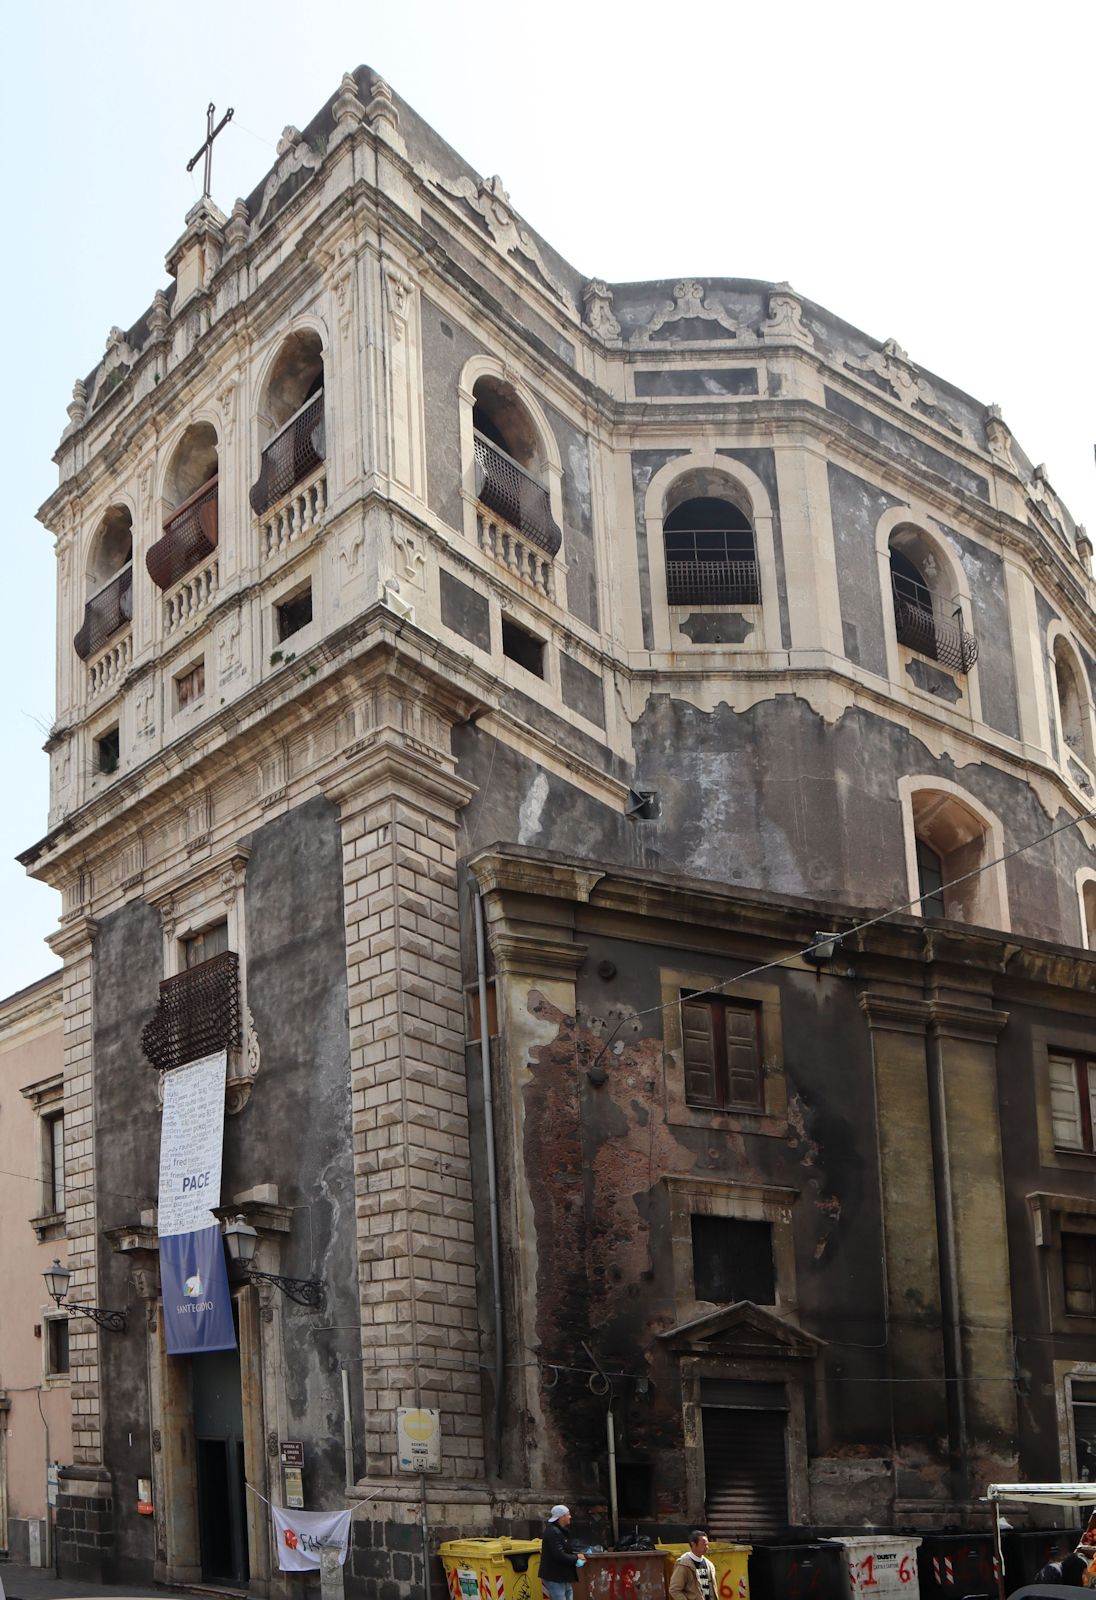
(1065, 1106)
(743, 1057)
(701, 1087)
(745, 1480)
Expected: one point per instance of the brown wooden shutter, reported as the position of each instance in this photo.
(743, 1057)
(698, 1039)
(745, 1480)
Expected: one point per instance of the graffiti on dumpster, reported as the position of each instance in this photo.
(883, 1569)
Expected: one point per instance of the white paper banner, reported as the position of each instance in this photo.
(191, 1138)
(301, 1535)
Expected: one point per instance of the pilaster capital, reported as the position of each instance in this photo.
(386, 765)
(74, 938)
(496, 870)
(532, 956)
(893, 1013)
(951, 1020)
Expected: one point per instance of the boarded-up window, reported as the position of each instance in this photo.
(1079, 1273)
(745, 1473)
(722, 1053)
(1072, 1102)
(733, 1260)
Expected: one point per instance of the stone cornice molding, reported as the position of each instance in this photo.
(950, 1020)
(895, 1013)
(74, 938)
(533, 956)
(1046, 1209)
(497, 872)
(25, 1009)
(388, 765)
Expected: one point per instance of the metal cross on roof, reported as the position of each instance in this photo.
(206, 149)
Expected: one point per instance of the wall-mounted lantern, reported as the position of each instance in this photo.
(242, 1239)
(57, 1280)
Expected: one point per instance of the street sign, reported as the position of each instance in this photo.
(292, 1452)
(418, 1437)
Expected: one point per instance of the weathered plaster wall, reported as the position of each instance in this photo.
(856, 508)
(446, 348)
(985, 574)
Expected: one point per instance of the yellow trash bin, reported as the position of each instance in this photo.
(732, 1576)
(492, 1569)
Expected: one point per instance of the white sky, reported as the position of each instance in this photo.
(923, 171)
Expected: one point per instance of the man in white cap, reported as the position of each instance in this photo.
(559, 1560)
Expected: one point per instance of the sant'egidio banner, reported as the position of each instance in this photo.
(197, 1304)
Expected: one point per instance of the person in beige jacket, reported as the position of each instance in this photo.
(693, 1576)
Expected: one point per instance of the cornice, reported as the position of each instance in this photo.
(533, 956)
(74, 938)
(952, 1020)
(27, 1009)
(895, 1013)
(499, 872)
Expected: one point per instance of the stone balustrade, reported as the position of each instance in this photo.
(190, 597)
(110, 667)
(295, 516)
(519, 557)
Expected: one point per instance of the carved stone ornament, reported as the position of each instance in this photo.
(597, 297)
(78, 406)
(272, 1444)
(295, 154)
(893, 365)
(398, 288)
(239, 227)
(159, 317)
(785, 320)
(157, 1440)
(348, 109)
(243, 1068)
(381, 112)
(686, 305)
(999, 437)
(117, 360)
(490, 199)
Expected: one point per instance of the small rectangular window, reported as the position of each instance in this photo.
(472, 1012)
(57, 1347)
(1079, 1273)
(108, 751)
(733, 1260)
(190, 686)
(722, 1052)
(54, 1153)
(1072, 1102)
(199, 947)
(635, 1482)
(293, 614)
(523, 647)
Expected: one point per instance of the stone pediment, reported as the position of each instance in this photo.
(742, 1329)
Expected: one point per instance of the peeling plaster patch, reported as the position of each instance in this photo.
(800, 1137)
(530, 817)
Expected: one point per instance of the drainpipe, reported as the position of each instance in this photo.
(348, 1427)
(954, 1367)
(492, 1176)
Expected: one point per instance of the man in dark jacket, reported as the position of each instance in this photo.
(559, 1560)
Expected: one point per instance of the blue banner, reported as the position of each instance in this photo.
(197, 1302)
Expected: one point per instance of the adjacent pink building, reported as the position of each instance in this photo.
(34, 1382)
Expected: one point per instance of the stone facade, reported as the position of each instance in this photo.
(400, 564)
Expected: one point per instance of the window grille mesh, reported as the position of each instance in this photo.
(190, 534)
(198, 1014)
(291, 455)
(105, 613)
(922, 625)
(700, 581)
(509, 490)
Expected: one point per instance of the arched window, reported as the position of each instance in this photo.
(954, 859)
(190, 508)
(711, 557)
(511, 477)
(1074, 713)
(109, 604)
(926, 617)
(291, 420)
(1088, 908)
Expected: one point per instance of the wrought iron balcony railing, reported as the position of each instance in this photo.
(506, 488)
(198, 1014)
(105, 613)
(932, 630)
(709, 582)
(190, 535)
(295, 451)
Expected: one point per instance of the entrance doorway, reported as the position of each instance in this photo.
(745, 1477)
(217, 1400)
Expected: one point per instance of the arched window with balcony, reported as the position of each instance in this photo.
(953, 851)
(928, 614)
(292, 430)
(510, 465)
(711, 553)
(1074, 703)
(190, 519)
(109, 583)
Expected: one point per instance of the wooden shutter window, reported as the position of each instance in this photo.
(743, 1057)
(699, 1050)
(1079, 1273)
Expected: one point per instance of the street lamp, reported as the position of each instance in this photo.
(57, 1279)
(242, 1240)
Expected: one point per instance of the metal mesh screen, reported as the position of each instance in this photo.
(190, 534)
(516, 496)
(702, 582)
(198, 1014)
(105, 613)
(923, 626)
(291, 455)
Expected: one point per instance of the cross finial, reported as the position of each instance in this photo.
(206, 149)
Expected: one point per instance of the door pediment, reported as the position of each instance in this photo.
(742, 1329)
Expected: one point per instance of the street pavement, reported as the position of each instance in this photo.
(38, 1583)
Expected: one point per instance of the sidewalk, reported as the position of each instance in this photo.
(38, 1583)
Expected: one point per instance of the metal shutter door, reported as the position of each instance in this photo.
(746, 1492)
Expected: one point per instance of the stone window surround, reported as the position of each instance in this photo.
(1067, 1037)
(1064, 1374)
(667, 636)
(1053, 1215)
(54, 1380)
(1084, 877)
(746, 1202)
(291, 584)
(772, 1119)
(47, 1098)
(994, 881)
(1058, 633)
